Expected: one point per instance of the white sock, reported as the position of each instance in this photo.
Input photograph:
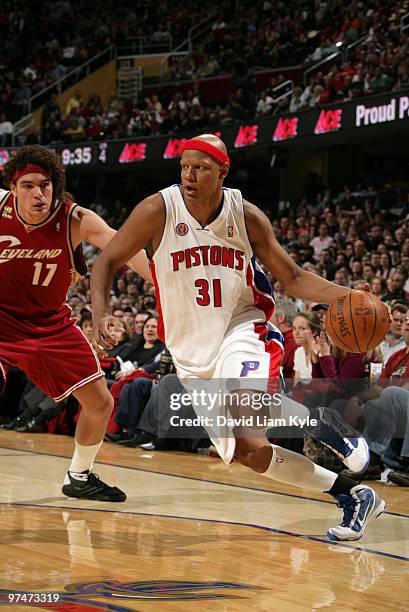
(83, 458)
(298, 471)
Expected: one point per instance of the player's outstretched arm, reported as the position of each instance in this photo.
(294, 280)
(93, 229)
(143, 227)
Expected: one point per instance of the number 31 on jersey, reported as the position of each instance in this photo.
(204, 298)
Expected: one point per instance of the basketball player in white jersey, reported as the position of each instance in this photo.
(214, 303)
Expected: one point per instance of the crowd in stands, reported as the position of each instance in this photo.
(271, 35)
(268, 34)
(353, 238)
(262, 35)
(40, 43)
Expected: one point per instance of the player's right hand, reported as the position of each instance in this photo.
(102, 340)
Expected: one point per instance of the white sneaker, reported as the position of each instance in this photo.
(347, 443)
(360, 506)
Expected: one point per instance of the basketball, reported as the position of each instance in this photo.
(357, 321)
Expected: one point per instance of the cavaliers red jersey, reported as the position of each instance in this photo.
(37, 263)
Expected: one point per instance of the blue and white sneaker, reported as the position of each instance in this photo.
(347, 443)
(360, 506)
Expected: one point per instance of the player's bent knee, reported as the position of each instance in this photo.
(108, 403)
(102, 405)
(95, 398)
(257, 457)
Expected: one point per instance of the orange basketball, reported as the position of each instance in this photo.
(357, 321)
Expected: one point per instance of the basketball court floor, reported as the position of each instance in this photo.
(192, 535)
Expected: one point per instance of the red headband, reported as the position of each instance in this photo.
(28, 169)
(206, 147)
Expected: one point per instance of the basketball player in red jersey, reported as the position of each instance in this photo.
(41, 230)
(201, 239)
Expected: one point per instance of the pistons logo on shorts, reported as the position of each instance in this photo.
(182, 229)
(249, 366)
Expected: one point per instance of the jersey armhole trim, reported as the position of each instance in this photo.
(80, 272)
(3, 199)
(245, 228)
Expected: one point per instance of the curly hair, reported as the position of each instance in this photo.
(36, 154)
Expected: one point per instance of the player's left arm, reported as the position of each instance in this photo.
(295, 281)
(90, 227)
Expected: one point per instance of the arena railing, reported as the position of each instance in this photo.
(187, 45)
(317, 65)
(20, 129)
(361, 41)
(145, 45)
(343, 54)
(282, 91)
(404, 22)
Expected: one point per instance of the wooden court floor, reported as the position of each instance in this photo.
(192, 535)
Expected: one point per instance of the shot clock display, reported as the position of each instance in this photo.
(79, 155)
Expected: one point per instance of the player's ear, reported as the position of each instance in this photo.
(224, 171)
(13, 188)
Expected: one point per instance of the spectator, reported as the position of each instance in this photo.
(74, 132)
(51, 111)
(140, 319)
(132, 401)
(146, 349)
(264, 105)
(384, 422)
(121, 349)
(331, 362)
(322, 241)
(394, 341)
(296, 100)
(395, 289)
(129, 318)
(304, 325)
(6, 131)
(378, 286)
(74, 103)
(284, 313)
(380, 82)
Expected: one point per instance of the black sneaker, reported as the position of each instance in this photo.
(9, 424)
(141, 437)
(399, 477)
(373, 472)
(116, 437)
(92, 487)
(34, 425)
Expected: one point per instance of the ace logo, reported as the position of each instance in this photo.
(174, 148)
(286, 128)
(328, 121)
(133, 152)
(247, 135)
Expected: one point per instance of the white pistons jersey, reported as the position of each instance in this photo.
(207, 282)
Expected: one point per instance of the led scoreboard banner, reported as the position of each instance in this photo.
(83, 154)
(319, 125)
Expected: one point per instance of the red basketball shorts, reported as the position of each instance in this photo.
(56, 356)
